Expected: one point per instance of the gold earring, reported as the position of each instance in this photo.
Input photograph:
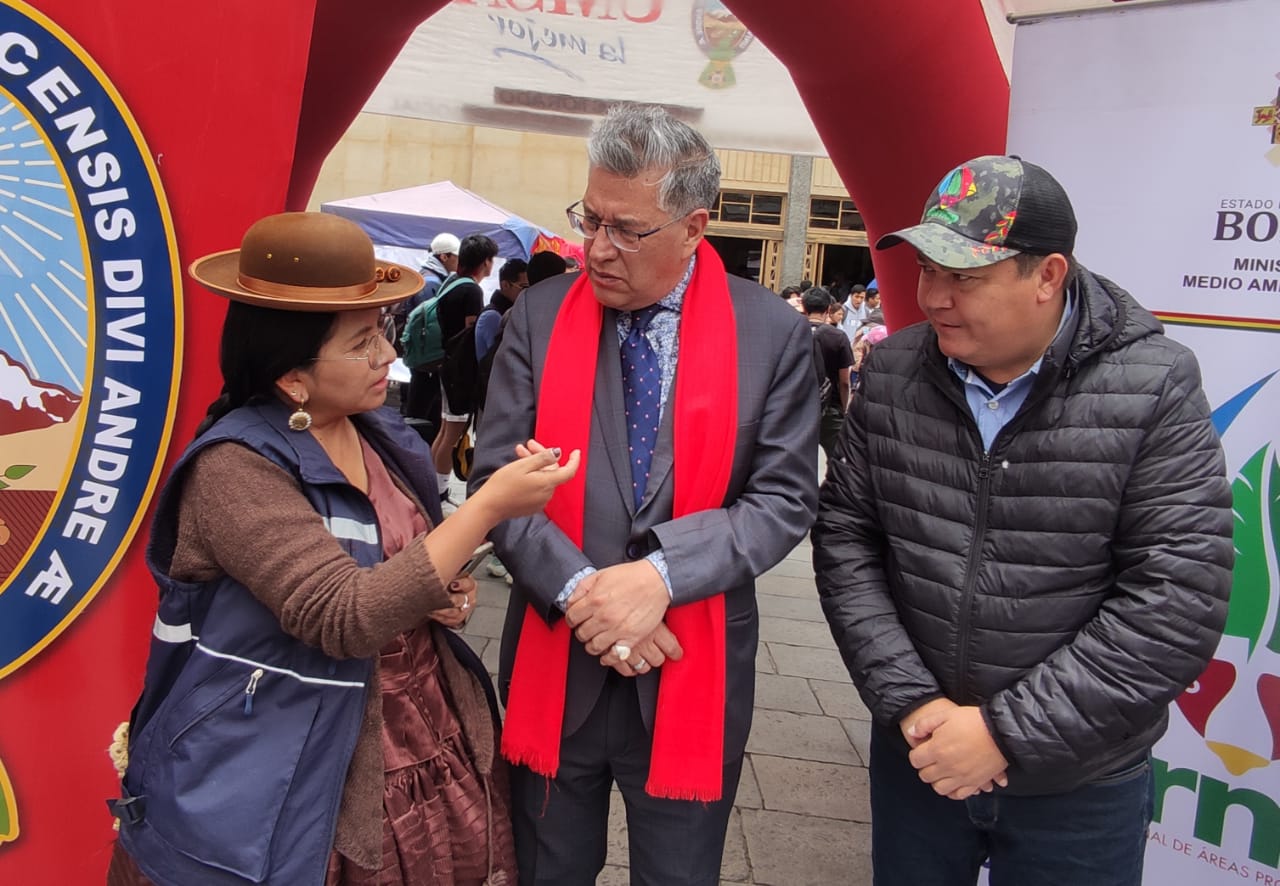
(300, 420)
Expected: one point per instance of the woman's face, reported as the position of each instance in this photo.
(349, 374)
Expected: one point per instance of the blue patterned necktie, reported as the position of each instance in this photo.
(642, 392)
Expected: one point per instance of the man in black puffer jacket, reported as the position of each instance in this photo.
(1023, 548)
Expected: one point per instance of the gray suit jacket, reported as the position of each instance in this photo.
(769, 506)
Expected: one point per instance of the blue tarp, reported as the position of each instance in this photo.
(411, 217)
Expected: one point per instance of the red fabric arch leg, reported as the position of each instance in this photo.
(900, 93)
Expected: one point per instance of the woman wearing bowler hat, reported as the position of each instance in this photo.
(305, 718)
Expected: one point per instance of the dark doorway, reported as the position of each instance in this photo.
(853, 261)
(741, 256)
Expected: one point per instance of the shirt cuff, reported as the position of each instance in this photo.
(562, 599)
(659, 561)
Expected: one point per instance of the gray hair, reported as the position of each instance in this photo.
(631, 139)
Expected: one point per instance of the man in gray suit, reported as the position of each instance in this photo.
(628, 654)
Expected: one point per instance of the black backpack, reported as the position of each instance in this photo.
(826, 390)
(460, 372)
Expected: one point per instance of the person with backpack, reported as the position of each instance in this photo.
(423, 340)
(422, 400)
(457, 308)
(832, 358)
(441, 264)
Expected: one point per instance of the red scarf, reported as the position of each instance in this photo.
(687, 760)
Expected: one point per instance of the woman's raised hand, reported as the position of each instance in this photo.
(523, 487)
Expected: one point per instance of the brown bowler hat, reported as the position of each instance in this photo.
(306, 261)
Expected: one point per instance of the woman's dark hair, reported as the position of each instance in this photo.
(258, 346)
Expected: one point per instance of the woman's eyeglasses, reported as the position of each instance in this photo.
(367, 350)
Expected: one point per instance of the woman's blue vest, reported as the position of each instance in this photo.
(240, 743)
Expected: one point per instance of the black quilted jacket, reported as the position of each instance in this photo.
(1071, 582)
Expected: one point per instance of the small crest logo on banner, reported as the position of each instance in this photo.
(90, 326)
(1269, 115)
(721, 38)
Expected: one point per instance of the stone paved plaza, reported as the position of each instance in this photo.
(802, 815)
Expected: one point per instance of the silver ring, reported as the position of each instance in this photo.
(622, 650)
(641, 666)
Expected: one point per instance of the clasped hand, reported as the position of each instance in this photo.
(462, 594)
(623, 606)
(952, 749)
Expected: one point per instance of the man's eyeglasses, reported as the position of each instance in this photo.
(368, 350)
(624, 239)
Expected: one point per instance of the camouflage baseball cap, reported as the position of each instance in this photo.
(990, 209)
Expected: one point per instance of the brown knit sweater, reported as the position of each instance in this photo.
(243, 516)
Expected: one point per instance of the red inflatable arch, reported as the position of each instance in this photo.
(900, 92)
(240, 101)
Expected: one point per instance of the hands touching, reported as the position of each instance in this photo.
(618, 609)
(517, 489)
(617, 614)
(952, 749)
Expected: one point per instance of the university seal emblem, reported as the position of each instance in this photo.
(90, 325)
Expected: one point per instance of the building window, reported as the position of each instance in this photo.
(831, 214)
(739, 207)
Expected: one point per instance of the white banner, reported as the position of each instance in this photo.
(1161, 122)
(1024, 9)
(555, 65)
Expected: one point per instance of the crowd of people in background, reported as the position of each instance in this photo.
(849, 314)
(846, 323)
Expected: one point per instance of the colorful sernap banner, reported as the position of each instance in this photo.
(1171, 154)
